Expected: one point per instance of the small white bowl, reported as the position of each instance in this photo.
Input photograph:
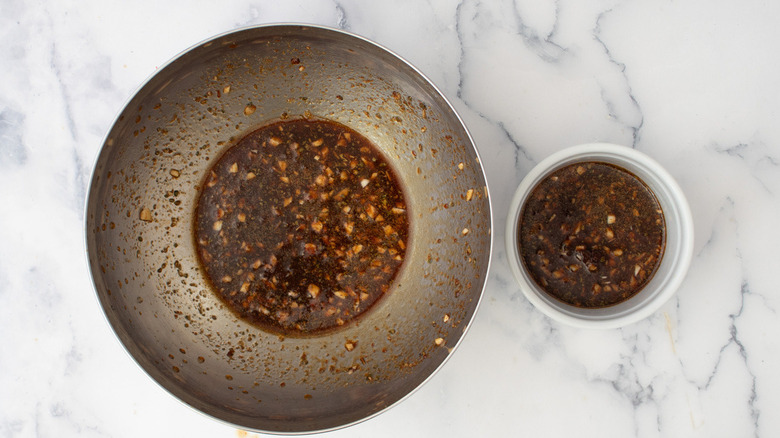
(677, 253)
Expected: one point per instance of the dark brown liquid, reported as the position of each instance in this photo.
(301, 226)
(591, 234)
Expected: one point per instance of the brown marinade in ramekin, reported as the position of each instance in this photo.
(591, 234)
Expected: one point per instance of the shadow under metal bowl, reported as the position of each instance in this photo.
(139, 220)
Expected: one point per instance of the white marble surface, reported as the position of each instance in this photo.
(694, 84)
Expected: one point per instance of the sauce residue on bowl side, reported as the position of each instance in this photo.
(591, 234)
(301, 226)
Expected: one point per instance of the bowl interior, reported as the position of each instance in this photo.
(147, 275)
(677, 251)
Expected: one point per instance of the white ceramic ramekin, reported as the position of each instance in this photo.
(676, 257)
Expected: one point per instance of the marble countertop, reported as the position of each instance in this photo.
(692, 84)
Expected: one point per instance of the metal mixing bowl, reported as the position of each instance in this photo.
(139, 219)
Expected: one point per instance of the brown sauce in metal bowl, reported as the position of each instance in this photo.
(301, 226)
(591, 234)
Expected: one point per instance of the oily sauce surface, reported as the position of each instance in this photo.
(301, 226)
(591, 234)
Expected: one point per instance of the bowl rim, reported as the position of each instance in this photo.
(679, 216)
(302, 26)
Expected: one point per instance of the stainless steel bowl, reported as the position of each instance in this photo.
(139, 216)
